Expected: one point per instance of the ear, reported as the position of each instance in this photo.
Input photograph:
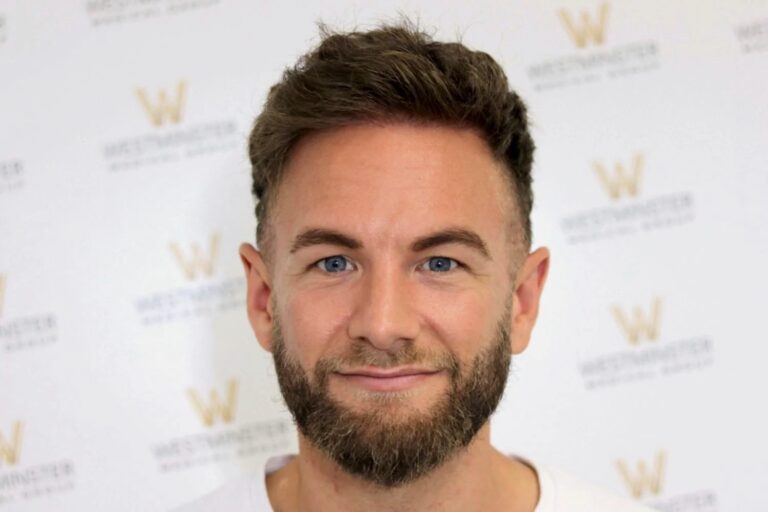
(528, 287)
(259, 292)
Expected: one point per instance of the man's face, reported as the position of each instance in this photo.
(391, 291)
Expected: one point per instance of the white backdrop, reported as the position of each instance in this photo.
(129, 378)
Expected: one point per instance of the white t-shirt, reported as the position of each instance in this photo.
(559, 492)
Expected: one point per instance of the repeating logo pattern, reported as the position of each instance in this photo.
(109, 12)
(171, 137)
(24, 332)
(648, 355)
(586, 30)
(753, 36)
(595, 59)
(9, 450)
(629, 211)
(215, 408)
(223, 437)
(197, 263)
(621, 181)
(646, 479)
(163, 126)
(205, 292)
(21, 482)
(166, 108)
(639, 325)
(11, 176)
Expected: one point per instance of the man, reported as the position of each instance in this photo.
(395, 280)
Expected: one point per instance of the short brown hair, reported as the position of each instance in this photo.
(394, 72)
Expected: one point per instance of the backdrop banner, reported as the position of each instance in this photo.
(129, 376)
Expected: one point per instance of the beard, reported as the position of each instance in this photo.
(370, 444)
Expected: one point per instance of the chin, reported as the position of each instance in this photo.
(392, 409)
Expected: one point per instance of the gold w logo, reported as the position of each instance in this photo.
(621, 181)
(165, 108)
(2, 293)
(639, 324)
(198, 262)
(215, 407)
(588, 29)
(9, 451)
(644, 479)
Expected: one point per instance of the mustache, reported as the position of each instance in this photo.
(363, 354)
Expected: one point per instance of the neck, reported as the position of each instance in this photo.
(474, 479)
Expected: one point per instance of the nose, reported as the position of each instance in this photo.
(385, 315)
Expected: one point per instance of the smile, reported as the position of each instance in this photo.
(391, 381)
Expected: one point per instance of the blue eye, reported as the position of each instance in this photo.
(441, 264)
(334, 264)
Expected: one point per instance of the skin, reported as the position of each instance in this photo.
(386, 185)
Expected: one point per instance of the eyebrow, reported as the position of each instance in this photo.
(322, 236)
(452, 236)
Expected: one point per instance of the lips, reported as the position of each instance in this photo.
(389, 373)
(392, 379)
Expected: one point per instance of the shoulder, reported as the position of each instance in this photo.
(235, 496)
(562, 492)
(245, 494)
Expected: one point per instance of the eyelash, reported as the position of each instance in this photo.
(317, 264)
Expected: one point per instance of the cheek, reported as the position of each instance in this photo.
(311, 321)
(464, 321)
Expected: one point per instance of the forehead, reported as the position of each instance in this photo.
(392, 182)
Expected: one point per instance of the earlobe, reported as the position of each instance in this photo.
(258, 295)
(528, 289)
